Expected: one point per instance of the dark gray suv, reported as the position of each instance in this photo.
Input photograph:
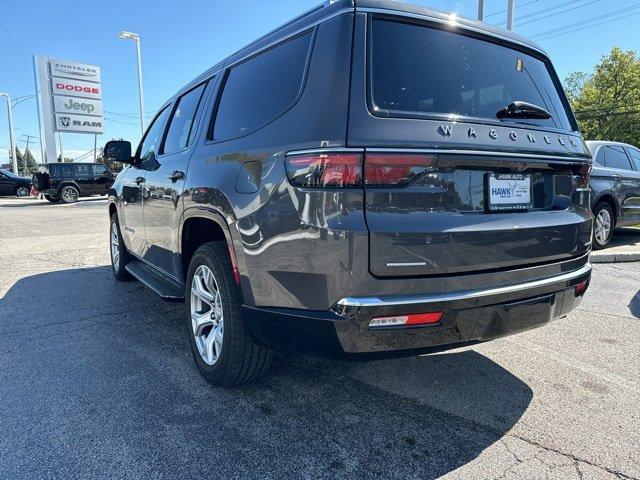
(372, 178)
(615, 186)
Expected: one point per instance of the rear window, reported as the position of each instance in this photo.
(419, 71)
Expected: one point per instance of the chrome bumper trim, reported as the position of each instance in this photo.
(460, 295)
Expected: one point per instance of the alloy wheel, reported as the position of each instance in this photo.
(207, 316)
(23, 192)
(115, 247)
(69, 194)
(603, 226)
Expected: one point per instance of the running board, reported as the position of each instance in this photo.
(165, 288)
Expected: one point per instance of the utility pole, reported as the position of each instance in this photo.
(510, 9)
(95, 146)
(12, 144)
(60, 142)
(481, 10)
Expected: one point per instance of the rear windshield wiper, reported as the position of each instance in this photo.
(520, 109)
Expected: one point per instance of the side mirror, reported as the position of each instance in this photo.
(118, 151)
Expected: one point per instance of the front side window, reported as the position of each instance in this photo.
(183, 121)
(151, 143)
(99, 169)
(615, 157)
(418, 71)
(260, 89)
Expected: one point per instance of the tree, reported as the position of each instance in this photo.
(607, 101)
(113, 166)
(64, 160)
(26, 163)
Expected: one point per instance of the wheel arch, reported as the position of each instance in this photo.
(610, 199)
(199, 226)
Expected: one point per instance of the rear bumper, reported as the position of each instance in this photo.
(471, 316)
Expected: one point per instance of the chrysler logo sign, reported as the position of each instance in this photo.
(75, 69)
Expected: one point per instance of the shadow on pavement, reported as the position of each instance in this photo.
(634, 305)
(32, 202)
(625, 237)
(97, 379)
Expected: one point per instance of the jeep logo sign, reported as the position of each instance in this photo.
(83, 106)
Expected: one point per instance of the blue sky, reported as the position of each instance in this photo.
(182, 39)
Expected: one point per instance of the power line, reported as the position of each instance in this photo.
(542, 11)
(558, 13)
(504, 11)
(563, 29)
(605, 115)
(589, 26)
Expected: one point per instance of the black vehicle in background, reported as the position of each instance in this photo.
(12, 184)
(66, 182)
(615, 186)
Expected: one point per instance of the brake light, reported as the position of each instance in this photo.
(326, 170)
(381, 169)
(584, 175)
(411, 320)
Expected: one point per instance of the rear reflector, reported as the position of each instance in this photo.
(415, 319)
(330, 170)
(581, 287)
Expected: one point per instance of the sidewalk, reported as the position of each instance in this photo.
(625, 247)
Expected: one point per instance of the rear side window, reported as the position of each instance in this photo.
(258, 90)
(183, 121)
(419, 71)
(635, 157)
(615, 157)
(64, 170)
(83, 170)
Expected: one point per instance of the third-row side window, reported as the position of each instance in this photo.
(615, 157)
(260, 89)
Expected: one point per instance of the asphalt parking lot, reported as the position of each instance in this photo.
(97, 381)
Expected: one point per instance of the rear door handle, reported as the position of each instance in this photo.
(617, 176)
(139, 180)
(175, 176)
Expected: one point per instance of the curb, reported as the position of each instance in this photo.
(606, 257)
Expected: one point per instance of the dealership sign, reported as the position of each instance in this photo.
(71, 96)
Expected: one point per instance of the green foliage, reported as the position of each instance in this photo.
(607, 101)
(26, 163)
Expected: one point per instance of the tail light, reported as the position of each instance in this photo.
(395, 170)
(584, 175)
(326, 170)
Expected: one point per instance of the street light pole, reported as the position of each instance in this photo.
(481, 10)
(12, 152)
(134, 36)
(510, 9)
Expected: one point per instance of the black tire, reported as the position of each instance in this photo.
(69, 194)
(52, 199)
(118, 270)
(241, 359)
(600, 242)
